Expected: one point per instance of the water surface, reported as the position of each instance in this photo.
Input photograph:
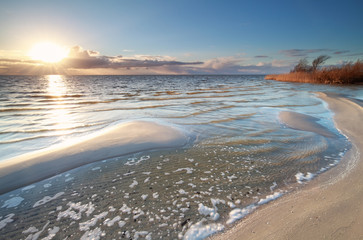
(240, 155)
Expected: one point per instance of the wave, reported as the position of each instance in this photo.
(22, 109)
(188, 97)
(55, 96)
(17, 105)
(42, 130)
(122, 139)
(133, 108)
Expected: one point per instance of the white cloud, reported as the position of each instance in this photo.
(89, 61)
(152, 58)
(303, 52)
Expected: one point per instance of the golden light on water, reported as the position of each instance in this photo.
(59, 114)
(48, 52)
(56, 86)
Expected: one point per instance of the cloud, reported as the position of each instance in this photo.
(237, 65)
(86, 59)
(15, 61)
(79, 52)
(222, 63)
(261, 56)
(274, 66)
(348, 53)
(89, 61)
(302, 52)
(341, 52)
(28, 67)
(153, 58)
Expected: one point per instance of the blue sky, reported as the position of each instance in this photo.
(216, 37)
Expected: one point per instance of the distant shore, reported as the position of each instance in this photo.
(347, 74)
(329, 207)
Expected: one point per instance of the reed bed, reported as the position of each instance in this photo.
(351, 73)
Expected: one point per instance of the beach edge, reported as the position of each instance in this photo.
(327, 207)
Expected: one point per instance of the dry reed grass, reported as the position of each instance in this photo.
(351, 73)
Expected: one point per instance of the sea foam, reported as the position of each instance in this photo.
(200, 231)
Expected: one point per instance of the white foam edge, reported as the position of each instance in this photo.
(238, 213)
(300, 177)
(199, 231)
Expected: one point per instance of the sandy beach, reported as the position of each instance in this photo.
(330, 206)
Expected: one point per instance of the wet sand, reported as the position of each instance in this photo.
(330, 206)
(126, 138)
(304, 122)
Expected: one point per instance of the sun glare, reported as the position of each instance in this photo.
(48, 52)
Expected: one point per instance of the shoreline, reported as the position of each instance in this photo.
(328, 207)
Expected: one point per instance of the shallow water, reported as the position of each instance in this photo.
(240, 157)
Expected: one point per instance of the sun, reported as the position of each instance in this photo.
(48, 52)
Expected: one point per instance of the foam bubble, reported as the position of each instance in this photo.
(133, 162)
(269, 198)
(144, 196)
(69, 179)
(12, 202)
(94, 234)
(110, 223)
(8, 219)
(231, 205)
(300, 177)
(87, 208)
(30, 230)
(189, 170)
(140, 234)
(121, 224)
(125, 209)
(182, 191)
(207, 211)
(137, 213)
(35, 235)
(238, 213)
(52, 232)
(129, 173)
(85, 226)
(133, 184)
(192, 185)
(200, 231)
(274, 185)
(28, 188)
(47, 199)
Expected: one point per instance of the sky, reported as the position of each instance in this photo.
(178, 37)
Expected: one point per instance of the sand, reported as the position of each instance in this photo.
(126, 138)
(304, 122)
(330, 206)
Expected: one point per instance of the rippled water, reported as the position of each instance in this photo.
(241, 156)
